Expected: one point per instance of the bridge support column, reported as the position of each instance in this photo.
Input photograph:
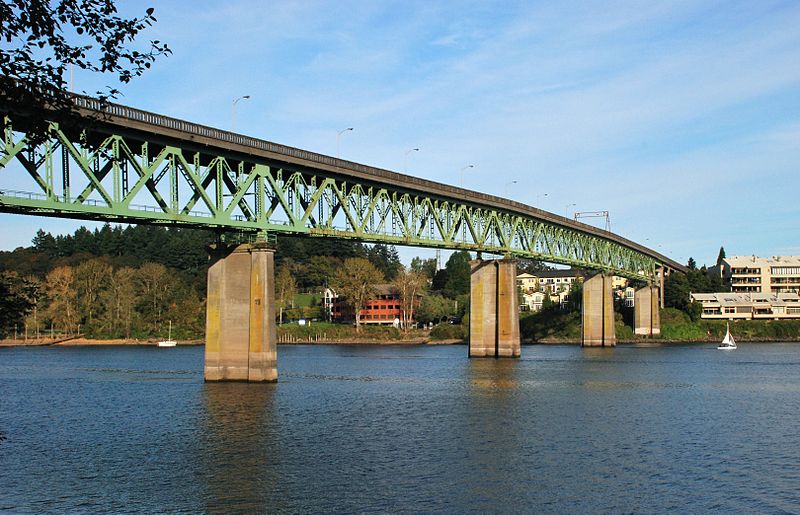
(494, 309)
(240, 314)
(646, 318)
(598, 312)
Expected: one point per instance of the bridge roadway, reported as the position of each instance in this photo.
(126, 152)
(133, 166)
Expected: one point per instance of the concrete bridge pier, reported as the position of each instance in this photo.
(493, 309)
(240, 314)
(598, 312)
(646, 317)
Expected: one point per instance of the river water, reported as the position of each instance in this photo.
(403, 428)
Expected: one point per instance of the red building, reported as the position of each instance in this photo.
(384, 309)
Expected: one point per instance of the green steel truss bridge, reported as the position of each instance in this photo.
(131, 166)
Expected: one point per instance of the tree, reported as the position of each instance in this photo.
(156, 283)
(62, 310)
(43, 39)
(91, 278)
(119, 301)
(458, 274)
(17, 298)
(676, 291)
(355, 283)
(318, 270)
(531, 266)
(547, 301)
(692, 264)
(427, 267)
(720, 256)
(433, 308)
(386, 259)
(285, 290)
(409, 285)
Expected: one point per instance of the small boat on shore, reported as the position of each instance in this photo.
(728, 343)
(169, 342)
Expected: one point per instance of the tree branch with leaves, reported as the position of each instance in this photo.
(42, 39)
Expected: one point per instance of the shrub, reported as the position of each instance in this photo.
(449, 332)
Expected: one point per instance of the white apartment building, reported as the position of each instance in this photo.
(780, 274)
(749, 306)
(555, 281)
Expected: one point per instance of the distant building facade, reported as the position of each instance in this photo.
(749, 306)
(751, 274)
(383, 309)
(555, 283)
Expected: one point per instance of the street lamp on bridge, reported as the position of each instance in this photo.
(507, 190)
(338, 138)
(566, 209)
(539, 197)
(233, 110)
(461, 175)
(405, 160)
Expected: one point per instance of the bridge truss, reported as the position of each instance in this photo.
(129, 171)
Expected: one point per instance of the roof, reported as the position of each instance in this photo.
(747, 299)
(746, 261)
(547, 274)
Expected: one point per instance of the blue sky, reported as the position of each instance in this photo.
(682, 119)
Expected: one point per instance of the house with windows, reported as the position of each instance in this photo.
(748, 306)
(383, 309)
(555, 281)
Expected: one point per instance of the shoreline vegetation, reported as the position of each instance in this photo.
(674, 332)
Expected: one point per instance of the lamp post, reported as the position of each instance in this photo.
(539, 197)
(338, 139)
(233, 111)
(507, 189)
(461, 175)
(566, 209)
(405, 159)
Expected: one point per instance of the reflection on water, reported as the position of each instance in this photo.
(238, 446)
(403, 429)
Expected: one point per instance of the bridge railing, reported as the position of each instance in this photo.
(176, 124)
(377, 174)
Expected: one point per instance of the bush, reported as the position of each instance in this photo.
(551, 323)
(449, 332)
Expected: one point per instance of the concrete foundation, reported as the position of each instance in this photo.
(494, 310)
(598, 313)
(646, 317)
(240, 314)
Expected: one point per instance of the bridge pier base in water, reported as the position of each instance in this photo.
(494, 309)
(598, 313)
(646, 317)
(240, 314)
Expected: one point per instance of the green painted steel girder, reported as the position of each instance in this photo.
(142, 168)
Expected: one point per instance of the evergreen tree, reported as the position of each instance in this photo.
(720, 256)
(458, 271)
(386, 259)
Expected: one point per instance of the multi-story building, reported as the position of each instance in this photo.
(383, 309)
(749, 306)
(780, 274)
(555, 283)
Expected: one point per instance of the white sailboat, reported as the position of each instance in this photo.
(169, 342)
(728, 343)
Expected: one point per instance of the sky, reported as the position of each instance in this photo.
(679, 118)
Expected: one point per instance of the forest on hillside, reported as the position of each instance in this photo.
(131, 281)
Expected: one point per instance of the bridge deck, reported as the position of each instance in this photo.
(451, 209)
